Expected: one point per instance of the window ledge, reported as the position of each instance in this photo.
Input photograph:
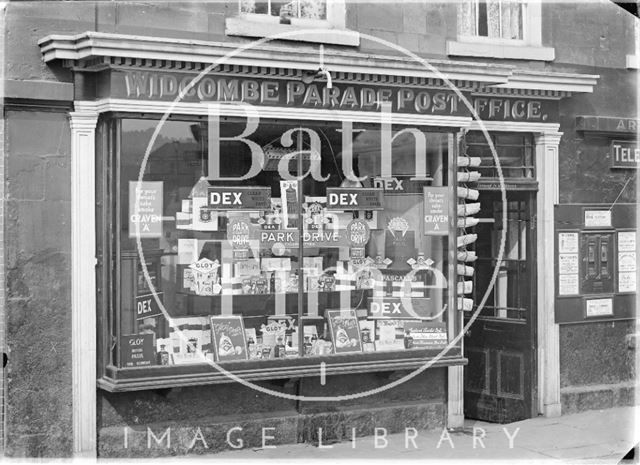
(500, 50)
(242, 26)
(632, 62)
(155, 377)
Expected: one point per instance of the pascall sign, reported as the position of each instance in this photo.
(624, 154)
(239, 198)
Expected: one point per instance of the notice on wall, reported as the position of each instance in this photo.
(568, 242)
(599, 307)
(627, 282)
(147, 217)
(137, 350)
(436, 211)
(568, 263)
(626, 241)
(627, 262)
(597, 218)
(568, 284)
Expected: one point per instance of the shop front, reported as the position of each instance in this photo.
(287, 255)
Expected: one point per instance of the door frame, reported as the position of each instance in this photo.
(546, 152)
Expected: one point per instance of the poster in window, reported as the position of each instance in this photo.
(345, 331)
(228, 338)
(436, 211)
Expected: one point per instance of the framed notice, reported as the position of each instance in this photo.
(228, 338)
(599, 307)
(345, 331)
(597, 218)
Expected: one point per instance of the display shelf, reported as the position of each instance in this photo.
(159, 377)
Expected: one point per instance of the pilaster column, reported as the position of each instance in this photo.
(548, 333)
(83, 287)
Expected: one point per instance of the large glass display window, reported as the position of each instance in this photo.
(306, 242)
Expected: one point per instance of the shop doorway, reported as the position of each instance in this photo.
(501, 377)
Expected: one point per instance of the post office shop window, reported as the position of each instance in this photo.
(270, 268)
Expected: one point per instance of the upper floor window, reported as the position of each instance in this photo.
(307, 9)
(514, 25)
(265, 18)
(501, 19)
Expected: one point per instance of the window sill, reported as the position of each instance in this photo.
(500, 50)
(135, 379)
(243, 26)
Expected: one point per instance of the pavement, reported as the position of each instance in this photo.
(595, 436)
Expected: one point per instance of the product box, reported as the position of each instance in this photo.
(313, 266)
(203, 218)
(244, 268)
(190, 340)
(228, 338)
(389, 335)
(345, 332)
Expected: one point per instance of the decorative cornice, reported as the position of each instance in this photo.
(188, 108)
(93, 51)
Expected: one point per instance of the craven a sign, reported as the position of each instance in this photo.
(624, 154)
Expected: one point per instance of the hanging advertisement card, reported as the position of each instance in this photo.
(228, 338)
(289, 195)
(148, 216)
(436, 211)
(238, 235)
(358, 235)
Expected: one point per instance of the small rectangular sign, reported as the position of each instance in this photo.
(568, 263)
(147, 306)
(436, 211)
(354, 198)
(626, 241)
(624, 154)
(597, 218)
(137, 350)
(146, 219)
(239, 198)
(426, 335)
(567, 242)
(599, 307)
